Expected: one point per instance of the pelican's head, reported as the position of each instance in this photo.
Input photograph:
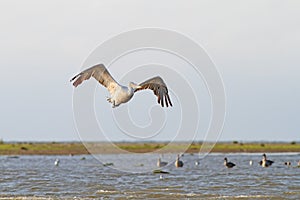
(134, 85)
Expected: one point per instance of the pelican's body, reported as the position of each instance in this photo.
(120, 94)
(228, 164)
(264, 162)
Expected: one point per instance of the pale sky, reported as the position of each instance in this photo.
(254, 44)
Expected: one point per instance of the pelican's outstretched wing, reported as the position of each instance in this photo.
(101, 74)
(159, 88)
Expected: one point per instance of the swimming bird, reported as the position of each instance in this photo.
(228, 164)
(121, 94)
(264, 162)
(287, 163)
(161, 163)
(56, 162)
(250, 162)
(178, 163)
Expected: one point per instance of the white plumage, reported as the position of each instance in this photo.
(56, 162)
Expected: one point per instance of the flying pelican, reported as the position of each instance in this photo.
(178, 163)
(161, 163)
(264, 162)
(228, 164)
(121, 94)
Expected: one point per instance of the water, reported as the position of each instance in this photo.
(38, 177)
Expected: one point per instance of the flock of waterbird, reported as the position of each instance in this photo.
(264, 162)
(179, 163)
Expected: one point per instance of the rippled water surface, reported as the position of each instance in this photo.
(37, 176)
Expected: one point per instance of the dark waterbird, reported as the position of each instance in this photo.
(265, 162)
(228, 164)
(288, 163)
(178, 162)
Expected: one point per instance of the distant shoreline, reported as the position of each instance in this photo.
(77, 148)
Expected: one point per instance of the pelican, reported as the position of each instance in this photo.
(121, 94)
(228, 164)
(178, 163)
(161, 163)
(264, 162)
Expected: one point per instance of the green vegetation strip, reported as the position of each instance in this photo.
(79, 148)
(42, 149)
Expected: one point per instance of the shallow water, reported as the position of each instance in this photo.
(37, 176)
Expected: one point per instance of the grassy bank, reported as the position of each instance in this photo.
(42, 149)
(79, 148)
(218, 148)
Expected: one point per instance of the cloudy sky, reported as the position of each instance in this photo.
(254, 44)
